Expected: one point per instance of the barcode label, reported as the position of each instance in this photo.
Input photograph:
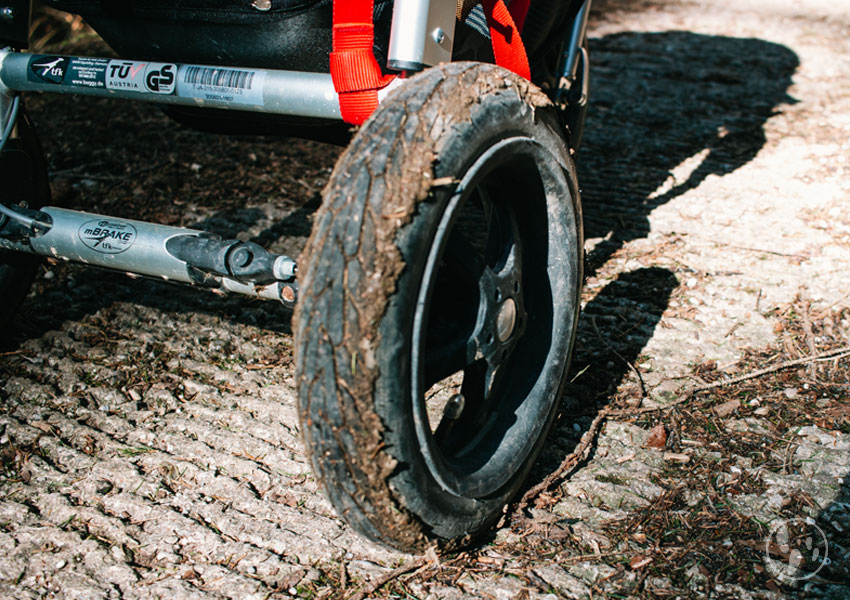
(219, 77)
(215, 84)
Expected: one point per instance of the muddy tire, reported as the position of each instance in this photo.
(439, 300)
(23, 171)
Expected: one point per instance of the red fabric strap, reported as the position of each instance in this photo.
(356, 74)
(505, 26)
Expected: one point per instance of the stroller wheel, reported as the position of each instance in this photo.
(23, 171)
(439, 302)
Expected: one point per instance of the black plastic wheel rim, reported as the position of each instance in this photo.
(495, 314)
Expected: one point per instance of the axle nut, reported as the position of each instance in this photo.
(506, 320)
(241, 258)
(454, 407)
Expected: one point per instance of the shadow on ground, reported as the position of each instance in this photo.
(834, 523)
(657, 100)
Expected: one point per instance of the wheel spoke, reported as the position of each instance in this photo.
(508, 269)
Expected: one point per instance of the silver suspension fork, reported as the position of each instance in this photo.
(577, 50)
(422, 34)
(572, 91)
(576, 62)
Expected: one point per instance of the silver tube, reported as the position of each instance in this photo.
(137, 248)
(235, 88)
(273, 291)
(422, 34)
(120, 244)
(576, 40)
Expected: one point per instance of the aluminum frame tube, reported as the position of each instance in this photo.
(119, 244)
(576, 41)
(422, 34)
(134, 247)
(205, 86)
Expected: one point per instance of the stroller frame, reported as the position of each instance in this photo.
(421, 35)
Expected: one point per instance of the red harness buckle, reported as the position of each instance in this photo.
(356, 74)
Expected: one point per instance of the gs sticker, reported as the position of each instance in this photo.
(160, 79)
(107, 236)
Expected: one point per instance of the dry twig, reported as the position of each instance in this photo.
(834, 354)
(572, 459)
(386, 578)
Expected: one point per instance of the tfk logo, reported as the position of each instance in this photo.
(160, 78)
(107, 237)
(50, 68)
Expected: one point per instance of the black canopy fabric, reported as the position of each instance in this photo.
(181, 11)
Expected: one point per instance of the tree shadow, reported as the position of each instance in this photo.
(665, 100)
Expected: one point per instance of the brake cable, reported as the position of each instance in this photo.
(4, 137)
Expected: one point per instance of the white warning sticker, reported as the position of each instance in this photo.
(221, 84)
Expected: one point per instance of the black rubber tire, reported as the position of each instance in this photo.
(23, 170)
(396, 271)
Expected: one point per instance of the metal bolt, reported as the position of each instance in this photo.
(284, 268)
(262, 5)
(241, 257)
(506, 320)
(454, 407)
(438, 35)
